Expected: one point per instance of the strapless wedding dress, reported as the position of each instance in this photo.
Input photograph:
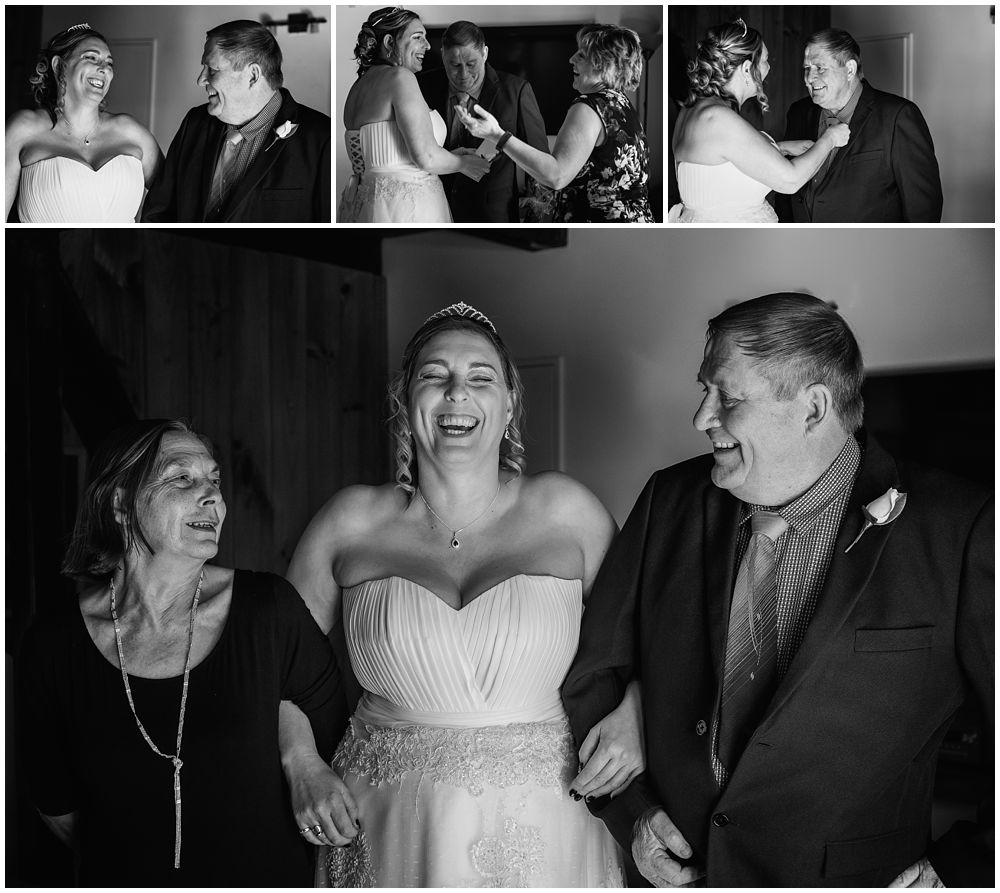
(460, 754)
(720, 193)
(64, 190)
(386, 186)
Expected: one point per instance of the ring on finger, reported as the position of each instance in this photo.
(305, 830)
(317, 830)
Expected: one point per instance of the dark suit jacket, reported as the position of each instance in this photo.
(887, 172)
(511, 101)
(288, 182)
(835, 786)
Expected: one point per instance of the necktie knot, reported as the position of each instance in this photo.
(769, 524)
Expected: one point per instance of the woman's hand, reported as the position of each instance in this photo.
(321, 800)
(473, 166)
(483, 125)
(840, 134)
(794, 148)
(613, 753)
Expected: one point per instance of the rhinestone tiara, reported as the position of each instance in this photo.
(81, 26)
(466, 312)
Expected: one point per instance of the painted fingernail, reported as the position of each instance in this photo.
(575, 795)
(589, 798)
(357, 824)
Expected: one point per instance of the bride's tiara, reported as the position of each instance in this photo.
(463, 310)
(81, 27)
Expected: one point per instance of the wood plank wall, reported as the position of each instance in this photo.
(279, 360)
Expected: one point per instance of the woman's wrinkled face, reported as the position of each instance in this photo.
(458, 402)
(181, 509)
(586, 77)
(88, 70)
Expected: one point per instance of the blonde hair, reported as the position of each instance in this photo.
(724, 49)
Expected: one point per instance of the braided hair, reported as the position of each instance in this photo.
(724, 49)
(391, 21)
(48, 85)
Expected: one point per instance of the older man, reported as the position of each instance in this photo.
(252, 154)
(805, 615)
(510, 99)
(887, 172)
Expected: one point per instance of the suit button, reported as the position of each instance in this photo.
(720, 820)
(702, 727)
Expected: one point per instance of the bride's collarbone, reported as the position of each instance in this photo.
(95, 156)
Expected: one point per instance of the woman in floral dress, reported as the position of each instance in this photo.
(600, 159)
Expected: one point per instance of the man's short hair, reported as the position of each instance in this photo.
(245, 42)
(839, 44)
(463, 34)
(796, 340)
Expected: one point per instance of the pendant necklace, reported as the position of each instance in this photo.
(175, 758)
(86, 139)
(455, 531)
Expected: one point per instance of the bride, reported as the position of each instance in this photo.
(461, 587)
(394, 140)
(725, 168)
(70, 161)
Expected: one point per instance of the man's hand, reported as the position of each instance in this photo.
(656, 846)
(919, 874)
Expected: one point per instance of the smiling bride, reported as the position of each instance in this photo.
(460, 587)
(69, 160)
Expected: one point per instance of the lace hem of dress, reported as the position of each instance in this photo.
(472, 758)
(351, 865)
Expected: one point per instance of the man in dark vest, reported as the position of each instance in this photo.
(510, 99)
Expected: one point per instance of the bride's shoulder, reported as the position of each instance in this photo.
(26, 123)
(560, 495)
(359, 506)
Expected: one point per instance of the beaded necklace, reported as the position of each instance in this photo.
(176, 757)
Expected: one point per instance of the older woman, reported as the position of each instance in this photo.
(725, 168)
(163, 685)
(70, 161)
(394, 140)
(461, 587)
(600, 159)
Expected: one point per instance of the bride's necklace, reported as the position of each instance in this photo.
(456, 543)
(175, 758)
(72, 133)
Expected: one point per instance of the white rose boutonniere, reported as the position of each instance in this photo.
(283, 132)
(884, 510)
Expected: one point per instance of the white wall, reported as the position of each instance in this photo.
(628, 314)
(180, 35)
(953, 84)
(640, 18)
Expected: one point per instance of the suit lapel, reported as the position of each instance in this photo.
(719, 535)
(849, 572)
(490, 86)
(862, 112)
(269, 153)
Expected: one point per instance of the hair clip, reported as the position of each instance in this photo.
(386, 15)
(744, 24)
(80, 27)
(463, 310)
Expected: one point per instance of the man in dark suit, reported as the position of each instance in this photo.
(887, 172)
(510, 99)
(805, 616)
(252, 154)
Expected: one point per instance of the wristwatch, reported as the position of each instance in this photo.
(503, 140)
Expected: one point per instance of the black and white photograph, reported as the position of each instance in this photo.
(500, 557)
(500, 114)
(168, 114)
(831, 114)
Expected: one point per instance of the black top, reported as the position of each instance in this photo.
(83, 751)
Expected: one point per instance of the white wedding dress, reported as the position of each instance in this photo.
(64, 190)
(460, 754)
(720, 193)
(386, 186)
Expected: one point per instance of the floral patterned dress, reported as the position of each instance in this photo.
(611, 186)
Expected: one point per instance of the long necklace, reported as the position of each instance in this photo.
(455, 531)
(176, 757)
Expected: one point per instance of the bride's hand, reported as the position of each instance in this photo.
(840, 133)
(613, 753)
(482, 125)
(472, 165)
(321, 799)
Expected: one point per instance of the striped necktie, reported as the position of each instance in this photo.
(751, 669)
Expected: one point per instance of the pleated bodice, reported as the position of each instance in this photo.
(65, 190)
(499, 659)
